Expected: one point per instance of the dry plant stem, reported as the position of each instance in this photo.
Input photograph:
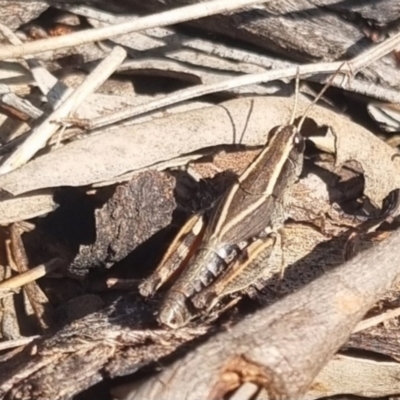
(283, 347)
(42, 133)
(37, 299)
(8, 316)
(201, 90)
(182, 14)
(375, 53)
(10, 344)
(31, 275)
(373, 321)
(351, 67)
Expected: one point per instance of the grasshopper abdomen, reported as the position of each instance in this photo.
(207, 264)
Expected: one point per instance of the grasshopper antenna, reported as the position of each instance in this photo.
(296, 97)
(320, 94)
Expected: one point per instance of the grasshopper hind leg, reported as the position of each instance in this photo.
(242, 273)
(178, 252)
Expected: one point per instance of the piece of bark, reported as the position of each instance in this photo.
(302, 31)
(112, 342)
(282, 348)
(315, 24)
(356, 377)
(378, 340)
(136, 211)
(16, 13)
(279, 28)
(388, 10)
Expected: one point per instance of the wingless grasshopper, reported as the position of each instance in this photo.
(233, 242)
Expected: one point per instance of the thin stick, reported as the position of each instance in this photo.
(182, 14)
(375, 53)
(10, 344)
(373, 321)
(31, 275)
(303, 71)
(42, 133)
(201, 90)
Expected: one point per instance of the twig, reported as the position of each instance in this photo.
(373, 321)
(42, 133)
(50, 86)
(10, 344)
(375, 53)
(31, 275)
(182, 14)
(34, 296)
(22, 107)
(201, 90)
(197, 91)
(10, 328)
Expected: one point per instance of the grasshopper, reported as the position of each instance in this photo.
(225, 250)
(236, 237)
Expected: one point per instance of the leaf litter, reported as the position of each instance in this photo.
(196, 149)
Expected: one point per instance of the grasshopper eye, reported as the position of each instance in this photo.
(299, 142)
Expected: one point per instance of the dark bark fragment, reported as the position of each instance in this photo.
(136, 211)
(115, 341)
(380, 341)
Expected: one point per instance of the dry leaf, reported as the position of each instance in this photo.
(356, 376)
(26, 207)
(107, 155)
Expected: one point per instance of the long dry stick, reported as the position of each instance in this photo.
(10, 344)
(42, 133)
(350, 67)
(182, 14)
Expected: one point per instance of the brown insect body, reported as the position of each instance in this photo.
(251, 208)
